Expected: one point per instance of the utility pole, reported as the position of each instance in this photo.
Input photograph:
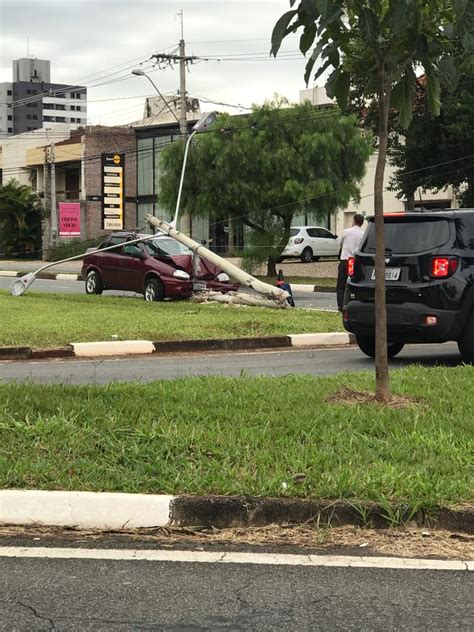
(183, 122)
(54, 213)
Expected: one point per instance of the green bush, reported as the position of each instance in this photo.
(21, 214)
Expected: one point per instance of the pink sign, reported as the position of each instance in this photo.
(69, 219)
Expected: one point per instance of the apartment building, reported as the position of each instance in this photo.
(32, 100)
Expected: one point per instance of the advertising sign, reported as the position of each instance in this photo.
(69, 219)
(113, 191)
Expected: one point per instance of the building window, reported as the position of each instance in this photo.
(35, 117)
(28, 105)
(9, 93)
(28, 92)
(78, 108)
(60, 119)
(46, 118)
(34, 92)
(28, 116)
(34, 105)
(10, 117)
(10, 129)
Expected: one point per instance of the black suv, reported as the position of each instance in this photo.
(429, 257)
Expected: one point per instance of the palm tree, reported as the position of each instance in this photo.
(21, 214)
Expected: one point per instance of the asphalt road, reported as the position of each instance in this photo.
(103, 595)
(165, 367)
(317, 300)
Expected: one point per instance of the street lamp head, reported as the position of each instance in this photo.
(138, 71)
(205, 121)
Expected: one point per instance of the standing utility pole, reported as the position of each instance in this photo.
(183, 123)
(54, 213)
(183, 60)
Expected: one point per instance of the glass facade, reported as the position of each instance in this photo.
(148, 177)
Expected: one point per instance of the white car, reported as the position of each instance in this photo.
(309, 243)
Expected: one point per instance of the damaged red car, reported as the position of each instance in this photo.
(160, 268)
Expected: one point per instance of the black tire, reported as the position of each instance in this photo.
(367, 345)
(154, 290)
(307, 255)
(466, 341)
(316, 259)
(94, 283)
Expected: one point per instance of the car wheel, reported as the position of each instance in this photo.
(316, 259)
(154, 290)
(367, 345)
(307, 255)
(466, 342)
(94, 283)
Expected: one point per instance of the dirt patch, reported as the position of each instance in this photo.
(348, 396)
(409, 542)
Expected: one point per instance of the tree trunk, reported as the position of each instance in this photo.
(410, 200)
(271, 267)
(382, 377)
(231, 236)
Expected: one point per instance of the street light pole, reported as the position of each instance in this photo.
(204, 122)
(140, 73)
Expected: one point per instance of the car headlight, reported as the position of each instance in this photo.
(181, 274)
(223, 277)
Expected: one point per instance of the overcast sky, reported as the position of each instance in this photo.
(95, 41)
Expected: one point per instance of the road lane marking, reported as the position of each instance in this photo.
(223, 557)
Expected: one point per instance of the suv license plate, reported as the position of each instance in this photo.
(391, 274)
(198, 287)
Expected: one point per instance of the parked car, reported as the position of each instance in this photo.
(309, 243)
(429, 282)
(160, 268)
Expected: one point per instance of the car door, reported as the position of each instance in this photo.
(132, 267)
(314, 241)
(109, 263)
(329, 242)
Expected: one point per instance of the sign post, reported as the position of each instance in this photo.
(113, 191)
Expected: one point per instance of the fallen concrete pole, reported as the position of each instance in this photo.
(269, 291)
(234, 298)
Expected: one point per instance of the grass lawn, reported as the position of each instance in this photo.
(46, 320)
(245, 435)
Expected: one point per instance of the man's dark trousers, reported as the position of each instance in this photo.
(341, 283)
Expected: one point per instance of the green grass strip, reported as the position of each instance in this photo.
(245, 436)
(49, 320)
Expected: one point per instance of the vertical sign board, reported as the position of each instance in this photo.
(69, 219)
(113, 188)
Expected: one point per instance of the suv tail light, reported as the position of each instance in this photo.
(350, 266)
(442, 267)
(299, 240)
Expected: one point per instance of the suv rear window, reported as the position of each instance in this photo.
(405, 237)
(294, 231)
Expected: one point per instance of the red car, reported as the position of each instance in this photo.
(160, 268)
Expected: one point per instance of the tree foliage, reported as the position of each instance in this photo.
(21, 214)
(382, 42)
(264, 168)
(436, 152)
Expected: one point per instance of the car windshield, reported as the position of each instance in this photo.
(294, 232)
(164, 247)
(403, 237)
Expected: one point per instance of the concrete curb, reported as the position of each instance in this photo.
(62, 276)
(105, 510)
(141, 347)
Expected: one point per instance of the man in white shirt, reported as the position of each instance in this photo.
(349, 242)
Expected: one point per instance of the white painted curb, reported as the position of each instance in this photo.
(114, 348)
(67, 277)
(85, 510)
(8, 273)
(314, 340)
(300, 287)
